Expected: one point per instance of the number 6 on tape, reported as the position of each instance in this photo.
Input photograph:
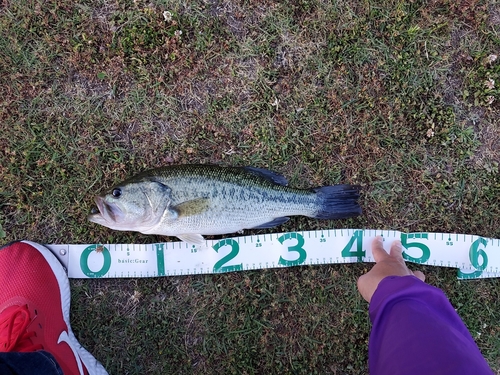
(474, 255)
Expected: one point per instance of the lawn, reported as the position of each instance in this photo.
(401, 97)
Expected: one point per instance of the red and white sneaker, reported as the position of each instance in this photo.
(34, 308)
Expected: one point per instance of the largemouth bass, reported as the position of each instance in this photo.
(189, 201)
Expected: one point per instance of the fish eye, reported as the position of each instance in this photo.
(116, 192)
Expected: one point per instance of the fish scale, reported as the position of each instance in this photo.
(233, 203)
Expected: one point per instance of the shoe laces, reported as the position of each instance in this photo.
(14, 334)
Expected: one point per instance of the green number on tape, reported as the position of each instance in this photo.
(474, 255)
(297, 248)
(160, 259)
(235, 249)
(84, 261)
(348, 251)
(426, 253)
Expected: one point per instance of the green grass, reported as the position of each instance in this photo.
(390, 95)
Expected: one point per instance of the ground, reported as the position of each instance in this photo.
(401, 97)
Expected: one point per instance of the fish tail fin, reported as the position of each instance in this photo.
(338, 201)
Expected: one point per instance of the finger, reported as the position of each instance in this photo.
(378, 249)
(419, 274)
(396, 250)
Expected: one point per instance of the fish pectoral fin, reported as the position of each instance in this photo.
(268, 175)
(192, 238)
(192, 207)
(272, 223)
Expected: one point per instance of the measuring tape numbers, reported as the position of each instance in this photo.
(474, 256)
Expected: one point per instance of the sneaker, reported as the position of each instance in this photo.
(34, 308)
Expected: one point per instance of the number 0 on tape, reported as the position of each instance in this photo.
(474, 256)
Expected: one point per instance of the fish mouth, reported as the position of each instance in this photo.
(105, 212)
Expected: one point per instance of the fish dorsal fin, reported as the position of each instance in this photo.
(268, 175)
(192, 207)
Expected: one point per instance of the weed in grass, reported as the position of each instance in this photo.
(483, 81)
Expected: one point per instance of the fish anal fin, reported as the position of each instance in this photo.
(272, 223)
(268, 175)
(192, 238)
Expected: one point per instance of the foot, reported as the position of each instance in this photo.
(34, 308)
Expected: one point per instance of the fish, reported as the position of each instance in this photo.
(189, 201)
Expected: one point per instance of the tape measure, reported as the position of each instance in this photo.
(474, 256)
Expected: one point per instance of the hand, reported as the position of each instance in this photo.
(391, 264)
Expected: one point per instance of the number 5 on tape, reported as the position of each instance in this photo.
(425, 253)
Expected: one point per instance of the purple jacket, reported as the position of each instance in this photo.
(417, 331)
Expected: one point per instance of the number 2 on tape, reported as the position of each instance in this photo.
(235, 249)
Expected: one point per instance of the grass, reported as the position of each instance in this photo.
(395, 96)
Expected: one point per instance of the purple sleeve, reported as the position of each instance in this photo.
(417, 331)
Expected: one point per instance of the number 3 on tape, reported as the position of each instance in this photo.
(297, 248)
